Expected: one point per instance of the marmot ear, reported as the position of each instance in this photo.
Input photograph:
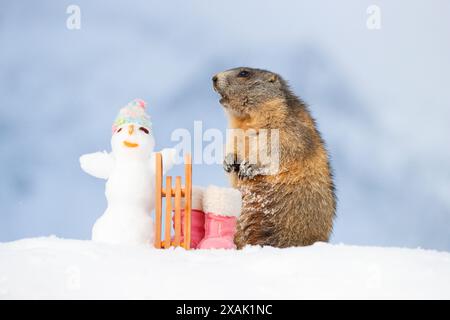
(273, 78)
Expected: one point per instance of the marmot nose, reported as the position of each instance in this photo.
(214, 79)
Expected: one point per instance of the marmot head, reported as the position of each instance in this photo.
(244, 89)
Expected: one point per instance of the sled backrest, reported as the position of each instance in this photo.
(177, 193)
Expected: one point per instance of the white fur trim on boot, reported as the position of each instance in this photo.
(197, 199)
(222, 201)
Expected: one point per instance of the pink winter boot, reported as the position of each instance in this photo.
(222, 206)
(197, 218)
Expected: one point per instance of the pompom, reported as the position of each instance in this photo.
(141, 103)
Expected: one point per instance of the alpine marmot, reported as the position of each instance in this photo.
(296, 205)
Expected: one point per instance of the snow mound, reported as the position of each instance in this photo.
(48, 268)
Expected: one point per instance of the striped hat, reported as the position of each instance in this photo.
(133, 113)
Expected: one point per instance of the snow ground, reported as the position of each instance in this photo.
(48, 268)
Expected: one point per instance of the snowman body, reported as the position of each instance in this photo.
(130, 173)
(130, 196)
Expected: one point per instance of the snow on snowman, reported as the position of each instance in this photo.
(130, 189)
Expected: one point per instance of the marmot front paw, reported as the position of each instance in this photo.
(247, 170)
(231, 163)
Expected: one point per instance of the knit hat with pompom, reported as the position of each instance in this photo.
(133, 113)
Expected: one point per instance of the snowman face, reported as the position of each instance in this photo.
(132, 140)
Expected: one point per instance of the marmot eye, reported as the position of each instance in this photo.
(143, 129)
(243, 74)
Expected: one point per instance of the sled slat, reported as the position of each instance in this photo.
(158, 200)
(168, 211)
(188, 198)
(177, 211)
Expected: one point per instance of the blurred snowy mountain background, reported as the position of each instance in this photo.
(381, 99)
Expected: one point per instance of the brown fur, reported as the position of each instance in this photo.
(296, 206)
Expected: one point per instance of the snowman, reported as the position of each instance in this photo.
(130, 173)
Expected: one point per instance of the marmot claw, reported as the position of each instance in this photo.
(230, 163)
(247, 170)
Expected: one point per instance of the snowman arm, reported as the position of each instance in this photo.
(97, 164)
(168, 158)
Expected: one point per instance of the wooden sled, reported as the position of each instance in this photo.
(177, 194)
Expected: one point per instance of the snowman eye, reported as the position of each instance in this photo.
(143, 129)
(118, 130)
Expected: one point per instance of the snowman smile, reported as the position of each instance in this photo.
(130, 144)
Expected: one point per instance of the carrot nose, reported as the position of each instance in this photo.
(130, 129)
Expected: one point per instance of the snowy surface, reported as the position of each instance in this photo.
(56, 268)
(381, 99)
